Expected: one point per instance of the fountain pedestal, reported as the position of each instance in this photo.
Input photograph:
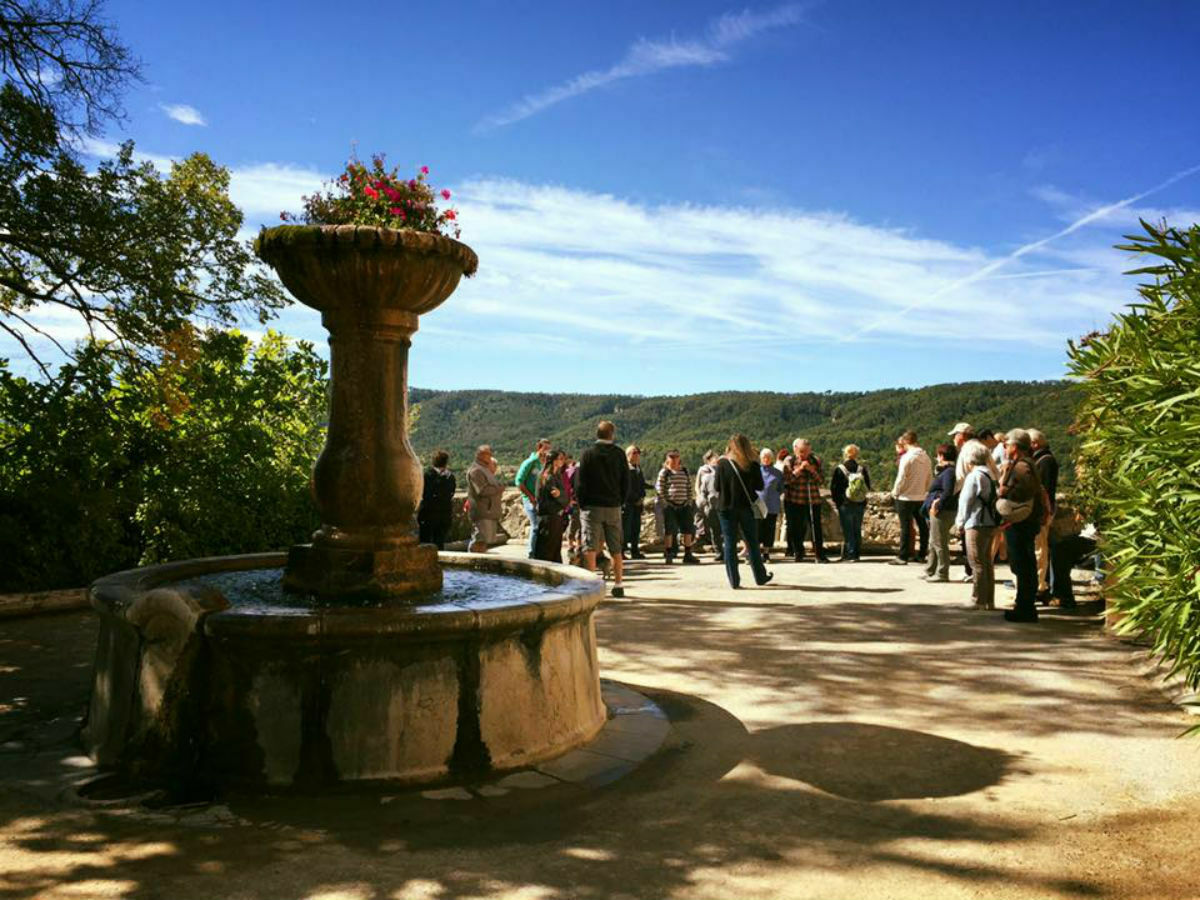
(383, 678)
(371, 285)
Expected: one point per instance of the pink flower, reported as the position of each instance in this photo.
(396, 211)
(412, 185)
(392, 193)
(445, 194)
(424, 170)
(370, 192)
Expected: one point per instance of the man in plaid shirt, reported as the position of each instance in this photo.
(802, 481)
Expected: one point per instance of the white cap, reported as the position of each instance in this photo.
(961, 426)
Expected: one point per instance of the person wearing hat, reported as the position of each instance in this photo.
(1019, 483)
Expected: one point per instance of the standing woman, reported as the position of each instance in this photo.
(551, 504)
(772, 495)
(941, 506)
(977, 520)
(437, 499)
(850, 484)
(739, 479)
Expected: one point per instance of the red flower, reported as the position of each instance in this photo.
(396, 211)
(392, 193)
(445, 194)
(373, 194)
(412, 185)
(450, 214)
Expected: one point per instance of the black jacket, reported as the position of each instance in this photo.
(839, 481)
(636, 495)
(437, 497)
(547, 503)
(603, 476)
(1047, 469)
(942, 490)
(730, 495)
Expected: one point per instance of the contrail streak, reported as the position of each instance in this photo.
(991, 267)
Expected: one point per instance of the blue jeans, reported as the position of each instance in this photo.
(531, 514)
(851, 516)
(731, 521)
(1022, 560)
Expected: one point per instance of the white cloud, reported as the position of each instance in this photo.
(182, 113)
(561, 263)
(263, 190)
(647, 57)
(567, 271)
(1069, 207)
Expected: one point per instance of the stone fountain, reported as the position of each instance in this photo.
(362, 656)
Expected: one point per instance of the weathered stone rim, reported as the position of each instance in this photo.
(576, 592)
(271, 242)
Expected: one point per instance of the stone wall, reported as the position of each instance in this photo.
(881, 528)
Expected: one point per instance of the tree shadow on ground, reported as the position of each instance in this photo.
(819, 796)
(720, 810)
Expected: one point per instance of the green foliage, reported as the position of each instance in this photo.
(134, 255)
(1140, 427)
(110, 465)
(461, 420)
(375, 195)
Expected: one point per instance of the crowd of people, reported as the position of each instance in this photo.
(993, 492)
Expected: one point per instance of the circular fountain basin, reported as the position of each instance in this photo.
(206, 671)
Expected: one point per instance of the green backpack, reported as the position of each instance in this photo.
(856, 486)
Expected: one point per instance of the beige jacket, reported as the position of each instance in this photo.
(914, 476)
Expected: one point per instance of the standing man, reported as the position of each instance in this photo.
(437, 501)
(914, 475)
(483, 493)
(1047, 470)
(603, 486)
(802, 481)
(527, 481)
(674, 485)
(635, 502)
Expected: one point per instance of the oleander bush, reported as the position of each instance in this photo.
(116, 463)
(1139, 427)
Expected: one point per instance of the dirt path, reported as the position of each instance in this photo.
(848, 732)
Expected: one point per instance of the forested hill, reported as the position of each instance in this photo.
(461, 420)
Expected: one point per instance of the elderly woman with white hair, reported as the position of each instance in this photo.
(977, 520)
(772, 495)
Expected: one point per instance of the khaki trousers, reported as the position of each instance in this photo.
(979, 553)
(1041, 548)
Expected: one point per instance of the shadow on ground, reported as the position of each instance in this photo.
(719, 811)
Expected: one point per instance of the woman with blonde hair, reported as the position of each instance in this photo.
(739, 481)
(850, 485)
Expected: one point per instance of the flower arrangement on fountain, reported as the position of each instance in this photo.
(375, 195)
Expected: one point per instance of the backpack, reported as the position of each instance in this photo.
(856, 484)
(989, 502)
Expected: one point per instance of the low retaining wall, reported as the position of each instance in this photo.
(881, 528)
(37, 602)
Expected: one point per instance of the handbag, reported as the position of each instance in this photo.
(757, 504)
(1011, 511)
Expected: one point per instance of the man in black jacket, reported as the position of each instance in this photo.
(437, 502)
(603, 487)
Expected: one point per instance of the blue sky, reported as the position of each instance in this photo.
(688, 196)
